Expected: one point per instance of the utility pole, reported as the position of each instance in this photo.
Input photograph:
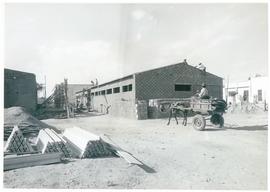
(66, 97)
(45, 87)
(227, 89)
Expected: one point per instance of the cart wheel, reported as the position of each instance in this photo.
(198, 122)
(217, 119)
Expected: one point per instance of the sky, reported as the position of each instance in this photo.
(82, 42)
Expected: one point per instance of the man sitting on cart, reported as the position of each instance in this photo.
(203, 93)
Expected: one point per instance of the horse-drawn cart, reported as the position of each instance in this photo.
(212, 110)
(201, 110)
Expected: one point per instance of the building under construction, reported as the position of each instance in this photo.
(132, 95)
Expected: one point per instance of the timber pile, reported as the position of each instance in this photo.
(48, 141)
(16, 142)
(85, 144)
(20, 161)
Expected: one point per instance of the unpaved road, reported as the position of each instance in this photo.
(231, 158)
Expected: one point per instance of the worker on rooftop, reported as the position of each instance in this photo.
(201, 67)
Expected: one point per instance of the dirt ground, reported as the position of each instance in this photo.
(234, 157)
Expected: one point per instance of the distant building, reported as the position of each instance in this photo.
(73, 88)
(20, 89)
(41, 93)
(83, 99)
(59, 95)
(254, 90)
(122, 97)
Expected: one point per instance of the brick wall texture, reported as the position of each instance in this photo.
(20, 89)
(154, 84)
(159, 83)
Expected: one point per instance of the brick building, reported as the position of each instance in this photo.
(20, 89)
(122, 97)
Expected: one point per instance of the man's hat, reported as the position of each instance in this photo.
(203, 85)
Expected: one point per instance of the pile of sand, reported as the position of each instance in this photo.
(19, 116)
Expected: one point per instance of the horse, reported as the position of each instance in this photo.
(219, 106)
(176, 108)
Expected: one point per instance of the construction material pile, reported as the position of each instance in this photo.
(16, 143)
(24, 120)
(48, 141)
(84, 144)
(51, 147)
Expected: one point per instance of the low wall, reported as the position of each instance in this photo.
(155, 111)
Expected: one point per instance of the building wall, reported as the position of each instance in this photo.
(121, 104)
(20, 89)
(153, 84)
(259, 83)
(81, 99)
(232, 88)
(159, 83)
(252, 86)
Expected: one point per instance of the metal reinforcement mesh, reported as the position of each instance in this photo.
(17, 143)
(98, 148)
(57, 147)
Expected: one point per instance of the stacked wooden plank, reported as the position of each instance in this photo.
(20, 161)
(48, 141)
(16, 142)
(85, 144)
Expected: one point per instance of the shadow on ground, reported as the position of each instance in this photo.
(250, 128)
(88, 114)
(240, 128)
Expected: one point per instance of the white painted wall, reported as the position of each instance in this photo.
(252, 86)
(259, 83)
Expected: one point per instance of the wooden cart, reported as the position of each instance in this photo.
(212, 110)
(201, 110)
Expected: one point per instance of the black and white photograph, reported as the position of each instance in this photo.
(135, 95)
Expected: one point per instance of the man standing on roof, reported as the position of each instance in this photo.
(201, 67)
(204, 92)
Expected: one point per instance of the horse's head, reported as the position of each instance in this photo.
(164, 107)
